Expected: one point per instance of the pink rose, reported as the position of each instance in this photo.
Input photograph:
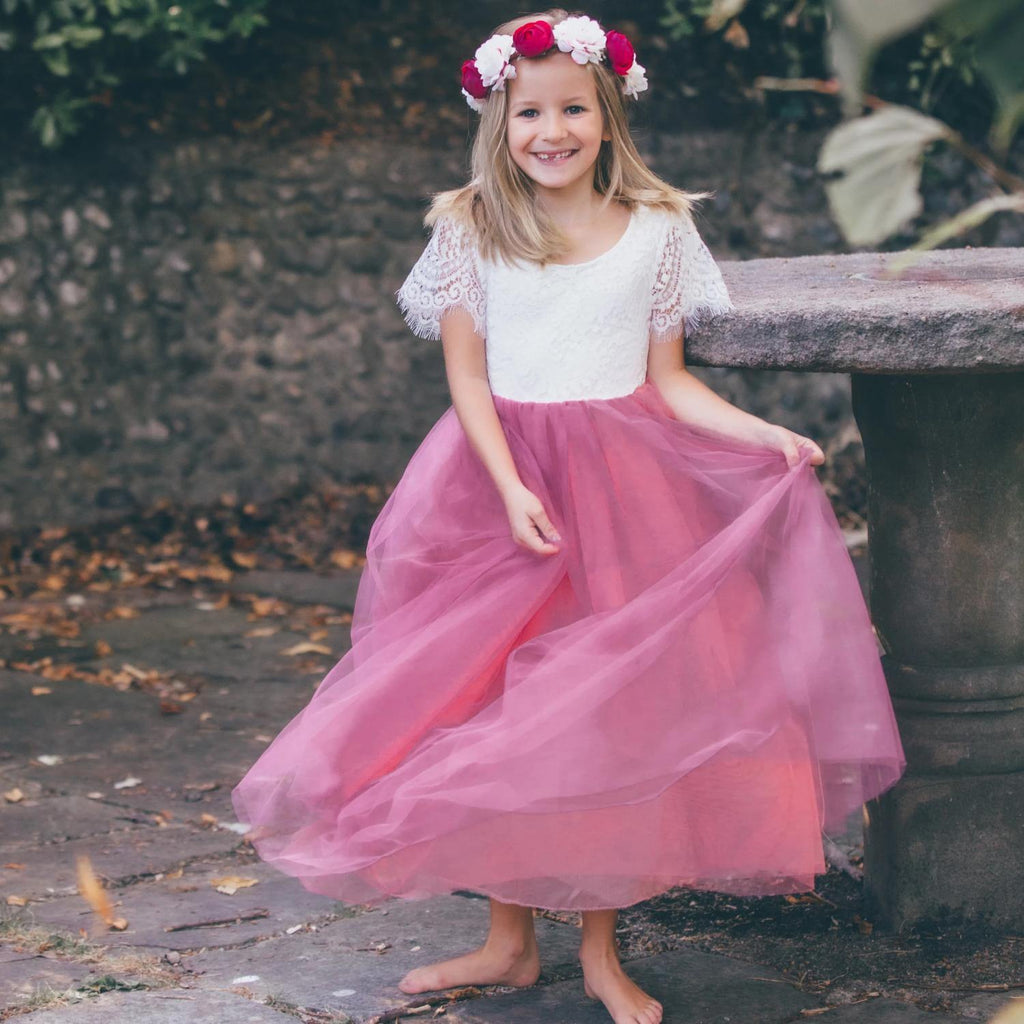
(472, 82)
(533, 39)
(620, 52)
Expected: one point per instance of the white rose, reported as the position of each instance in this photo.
(634, 81)
(492, 61)
(582, 38)
(476, 104)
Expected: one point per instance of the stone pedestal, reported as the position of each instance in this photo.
(945, 461)
(937, 363)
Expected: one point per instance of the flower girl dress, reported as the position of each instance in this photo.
(688, 693)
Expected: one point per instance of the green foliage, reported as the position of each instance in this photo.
(874, 162)
(790, 38)
(879, 155)
(72, 53)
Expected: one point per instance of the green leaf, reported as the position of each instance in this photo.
(963, 222)
(45, 126)
(130, 27)
(57, 62)
(879, 160)
(50, 41)
(82, 35)
(860, 27)
(996, 28)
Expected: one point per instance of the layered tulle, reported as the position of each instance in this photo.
(688, 693)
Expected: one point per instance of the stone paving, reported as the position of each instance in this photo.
(145, 796)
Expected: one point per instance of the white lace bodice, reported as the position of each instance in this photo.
(570, 331)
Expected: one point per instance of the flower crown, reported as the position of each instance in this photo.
(581, 37)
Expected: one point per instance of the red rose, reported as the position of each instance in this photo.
(620, 52)
(533, 38)
(472, 82)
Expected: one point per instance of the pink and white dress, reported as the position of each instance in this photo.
(688, 693)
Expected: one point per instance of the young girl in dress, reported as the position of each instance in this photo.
(608, 639)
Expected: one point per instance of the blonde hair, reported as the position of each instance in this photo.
(498, 202)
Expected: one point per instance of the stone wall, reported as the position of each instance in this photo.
(218, 317)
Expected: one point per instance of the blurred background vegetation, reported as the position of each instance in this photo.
(78, 72)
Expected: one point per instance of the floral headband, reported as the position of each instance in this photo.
(581, 37)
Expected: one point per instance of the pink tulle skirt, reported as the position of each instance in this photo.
(688, 693)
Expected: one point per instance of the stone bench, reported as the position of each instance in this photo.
(937, 373)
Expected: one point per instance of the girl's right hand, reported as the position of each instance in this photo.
(529, 522)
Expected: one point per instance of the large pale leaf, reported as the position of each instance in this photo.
(723, 11)
(878, 158)
(860, 27)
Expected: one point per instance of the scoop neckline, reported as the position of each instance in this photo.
(601, 255)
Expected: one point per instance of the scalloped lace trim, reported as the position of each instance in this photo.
(688, 287)
(444, 277)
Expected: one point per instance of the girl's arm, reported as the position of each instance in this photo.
(466, 369)
(692, 401)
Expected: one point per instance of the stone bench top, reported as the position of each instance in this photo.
(955, 310)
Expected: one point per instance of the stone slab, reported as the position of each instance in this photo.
(104, 736)
(984, 1006)
(957, 309)
(153, 905)
(336, 589)
(24, 975)
(162, 1006)
(887, 1011)
(693, 988)
(211, 644)
(49, 819)
(50, 870)
(337, 968)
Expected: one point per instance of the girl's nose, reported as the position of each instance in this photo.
(555, 130)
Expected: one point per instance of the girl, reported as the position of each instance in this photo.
(608, 639)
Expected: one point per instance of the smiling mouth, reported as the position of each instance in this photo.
(555, 158)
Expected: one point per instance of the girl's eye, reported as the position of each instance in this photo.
(573, 108)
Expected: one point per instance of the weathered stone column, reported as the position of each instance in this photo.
(937, 363)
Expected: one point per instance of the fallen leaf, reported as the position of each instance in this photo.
(305, 647)
(262, 631)
(40, 691)
(230, 884)
(102, 648)
(17, 901)
(14, 796)
(49, 759)
(14, 866)
(246, 559)
(864, 927)
(130, 783)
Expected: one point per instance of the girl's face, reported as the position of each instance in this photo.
(555, 126)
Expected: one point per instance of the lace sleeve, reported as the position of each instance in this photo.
(688, 286)
(445, 276)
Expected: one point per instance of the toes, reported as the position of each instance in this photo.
(650, 1014)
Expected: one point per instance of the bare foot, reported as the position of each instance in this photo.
(604, 979)
(488, 965)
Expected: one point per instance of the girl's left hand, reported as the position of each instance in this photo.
(791, 444)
